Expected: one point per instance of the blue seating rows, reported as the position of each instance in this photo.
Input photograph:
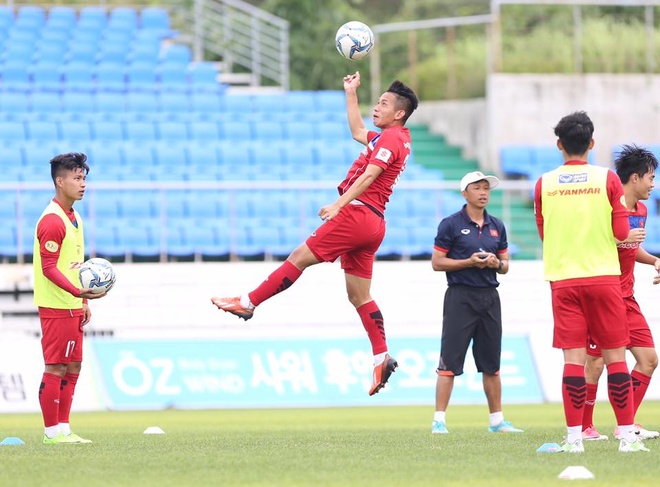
(523, 161)
(197, 106)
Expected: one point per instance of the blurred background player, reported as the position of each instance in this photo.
(579, 212)
(636, 168)
(471, 247)
(354, 224)
(59, 250)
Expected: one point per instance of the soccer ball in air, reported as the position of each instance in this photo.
(98, 275)
(354, 40)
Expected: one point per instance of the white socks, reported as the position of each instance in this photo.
(439, 416)
(573, 433)
(496, 418)
(245, 302)
(52, 431)
(65, 428)
(378, 358)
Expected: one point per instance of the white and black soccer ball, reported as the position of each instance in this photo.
(98, 275)
(354, 40)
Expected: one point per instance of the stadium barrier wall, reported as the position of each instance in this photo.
(170, 347)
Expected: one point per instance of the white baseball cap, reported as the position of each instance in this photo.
(473, 177)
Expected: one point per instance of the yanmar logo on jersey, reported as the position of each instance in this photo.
(573, 192)
(573, 178)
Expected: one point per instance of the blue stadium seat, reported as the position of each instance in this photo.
(204, 77)
(157, 20)
(78, 104)
(203, 131)
(137, 241)
(267, 155)
(146, 50)
(203, 153)
(330, 101)
(104, 241)
(174, 104)
(108, 103)
(143, 104)
(111, 76)
(8, 240)
(172, 131)
(12, 131)
(330, 154)
(52, 48)
(14, 105)
(32, 13)
(299, 130)
(92, 18)
(79, 76)
(138, 206)
(206, 239)
(234, 153)
(178, 54)
(113, 52)
(15, 74)
(46, 76)
(42, 130)
(173, 77)
(236, 130)
(75, 130)
(83, 50)
(140, 130)
(333, 131)
(136, 151)
(516, 161)
(142, 76)
(104, 154)
(203, 205)
(265, 130)
(123, 19)
(168, 153)
(237, 104)
(300, 101)
(107, 130)
(64, 15)
(45, 104)
(206, 105)
(395, 243)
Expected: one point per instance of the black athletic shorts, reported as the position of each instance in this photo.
(471, 314)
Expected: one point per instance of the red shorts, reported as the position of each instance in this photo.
(640, 332)
(62, 336)
(597, 310)
(354, 235)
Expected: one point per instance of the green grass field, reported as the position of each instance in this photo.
(380, 446)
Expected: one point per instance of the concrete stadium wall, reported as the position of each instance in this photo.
(524, 108)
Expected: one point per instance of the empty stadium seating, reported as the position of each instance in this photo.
(117, 85)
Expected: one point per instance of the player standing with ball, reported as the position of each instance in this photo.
(354, 224)
(59, 250)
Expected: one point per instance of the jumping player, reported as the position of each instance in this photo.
(354, 224)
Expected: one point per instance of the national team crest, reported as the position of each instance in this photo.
(494, 232)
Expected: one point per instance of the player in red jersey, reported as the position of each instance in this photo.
(63, 311)
(580, 211)
(635, 167)
(354, 226)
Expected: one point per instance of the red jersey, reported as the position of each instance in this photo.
(389, 150)
(628, 251)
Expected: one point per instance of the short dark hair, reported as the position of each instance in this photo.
(68, 162)
(405, 96)
(575, 131)
(632, 159)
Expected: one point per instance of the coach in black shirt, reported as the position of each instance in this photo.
(471, 247)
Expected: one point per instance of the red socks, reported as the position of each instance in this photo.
(574, 393)
(640, 383)
(49, 398)
(68, 386)
(372, 320)
(589, 403)
(620, 392)
(282, 278)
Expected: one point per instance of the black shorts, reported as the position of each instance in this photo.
(471, 314)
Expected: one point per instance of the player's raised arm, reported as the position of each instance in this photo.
(355, 122)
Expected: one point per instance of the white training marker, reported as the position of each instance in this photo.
(154, 430)
(576, 472)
